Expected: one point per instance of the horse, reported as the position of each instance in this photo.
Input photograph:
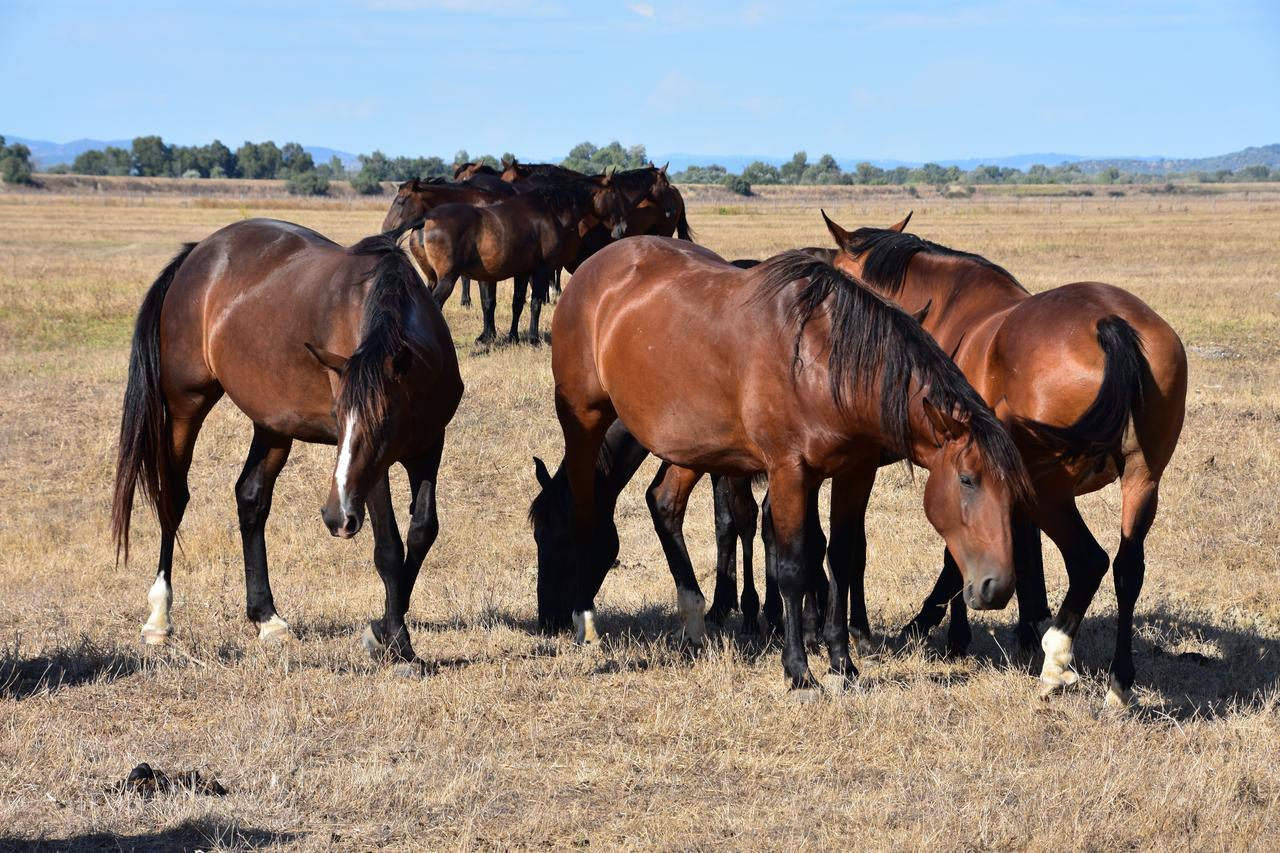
(313, 342)
(518, 237)
(416, 197)
(790, 369)
(1092, 383)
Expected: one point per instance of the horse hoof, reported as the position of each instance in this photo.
(804, 695)
(410, 669)
(1050, 686)
(274, 631)
(155, 636)
(837, 684)
(1117, 699)
(371, 644)
(862, 645)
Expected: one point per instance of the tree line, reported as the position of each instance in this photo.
(150, 156)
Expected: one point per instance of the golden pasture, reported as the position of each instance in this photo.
(518, 740)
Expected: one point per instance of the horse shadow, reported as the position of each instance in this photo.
(191, 834)
(1188, 668)
(22, 678)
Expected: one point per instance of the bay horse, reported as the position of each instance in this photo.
(1092, 383)
(313, 342)
(790, 369)
(521, 237)
(416, 197)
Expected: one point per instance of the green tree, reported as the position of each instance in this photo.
(865, 173)
(151, 157)
(792, 171)
(760, 172)
(216, 157)
(736, 184)
(307, 182)
(294, 159)
(92, 162)
(15, 163)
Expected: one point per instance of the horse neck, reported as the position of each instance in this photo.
(959, 293)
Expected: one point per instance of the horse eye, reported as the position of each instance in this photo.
(967, 481)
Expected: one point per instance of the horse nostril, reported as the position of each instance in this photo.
(352, 525)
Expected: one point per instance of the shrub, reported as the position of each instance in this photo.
(15, 163)
(191, 173)
(309, 182)
(366, 183)
(736, 184)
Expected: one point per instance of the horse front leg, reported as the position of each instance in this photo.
(267, 456)
(668, 497)
(388, 637)
(725, 599)
(789, 505)
(848, 558)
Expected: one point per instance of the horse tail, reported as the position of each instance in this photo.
(145, 451)
(683, 231)
(1102, 426)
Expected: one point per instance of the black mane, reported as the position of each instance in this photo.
(872, 338)
(889, 252)
(396, 294)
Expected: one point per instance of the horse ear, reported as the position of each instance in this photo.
(663, 170)
(331, 360)
(541, 472)
(841, 236)
(945, 424)
(902, 226)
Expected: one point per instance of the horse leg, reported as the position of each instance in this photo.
(789, 497)
(668, 497)
(556, 290)
(466, 292)
(388, 637)
(1140, 491)
(772, 598)
(541, 282)
(1086, 563)
(745, 515)
(1033, 602)
(488, 307)
(185, 420)
(518, 295)
(815, 596)
(725, 599)
(848, 558)
(584, 431)
(945, 589)
(959, 632)
(267, 454)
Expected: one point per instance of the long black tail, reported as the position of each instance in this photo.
(1102, 426)
(145, 452)
(683, 231)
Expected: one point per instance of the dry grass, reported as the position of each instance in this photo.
(516, 740)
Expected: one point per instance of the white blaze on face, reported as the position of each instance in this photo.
(342, 472)
(160, 597)
(1057, 659)
(691, 606)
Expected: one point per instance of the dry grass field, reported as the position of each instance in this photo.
(518, 740)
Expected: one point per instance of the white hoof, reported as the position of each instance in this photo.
(1056, 674)
(155, 636)
(1117, 700)
(692, 608)
(371, 645)
(584, 624)
(274, 630)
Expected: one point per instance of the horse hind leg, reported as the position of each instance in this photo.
(184, 426)
(746, 513)
(466, 292)
(518, 295)
(724, 601)
(1140, 498)
(668, 497)
(267, 456)
(488, 308)
(1086, 563)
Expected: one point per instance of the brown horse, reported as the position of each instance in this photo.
(417, 197)
(790, 369)
(523, 236)
(313, 342)
(1092, 383)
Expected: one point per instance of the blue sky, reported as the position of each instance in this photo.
(911, 80)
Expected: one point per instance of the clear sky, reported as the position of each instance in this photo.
(905, 79)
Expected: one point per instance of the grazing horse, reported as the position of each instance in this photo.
(790, 369)
(313, 342)
(1092, 384)
(518, 237)
(417, 197)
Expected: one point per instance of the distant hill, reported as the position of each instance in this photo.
(45, 154)
(1266, 155)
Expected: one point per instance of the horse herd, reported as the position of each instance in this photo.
(815, 364)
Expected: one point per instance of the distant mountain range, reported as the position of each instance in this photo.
(45, 154)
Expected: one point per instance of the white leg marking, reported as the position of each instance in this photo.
(371, 645)
(1057, 660)
(343, 470)
(274, 630)
(158, 628)
(1117, 699)
(691, 606)
(585, 623)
